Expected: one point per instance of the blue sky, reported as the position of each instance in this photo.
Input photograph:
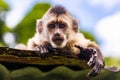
(100, 17)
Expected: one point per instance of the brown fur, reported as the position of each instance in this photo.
(50, 32)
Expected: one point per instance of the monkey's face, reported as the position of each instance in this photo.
(60, 26)
(57, 34)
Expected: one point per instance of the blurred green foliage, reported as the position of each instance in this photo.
(112, 61)
(26, 28)
(88, 35)
(4, 7)
(58, 73)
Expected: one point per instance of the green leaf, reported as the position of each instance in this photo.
(88, 35)
(26, 28)
(3, 5)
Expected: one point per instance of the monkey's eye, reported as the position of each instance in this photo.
(61, 25)
(51, 25)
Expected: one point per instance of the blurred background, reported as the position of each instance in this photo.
(99, 20)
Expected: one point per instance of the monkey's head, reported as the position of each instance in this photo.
(57, 25)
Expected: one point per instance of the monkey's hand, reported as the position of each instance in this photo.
(94, 60)
(42, 50)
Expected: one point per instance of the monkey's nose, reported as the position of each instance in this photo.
(57, 34)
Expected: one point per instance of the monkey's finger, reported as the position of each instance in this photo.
(96, 69)
(41, 51)
(78, 46)
(99, 68)
(93, 72)
(45, 50)
(37, 50)
(92, 61)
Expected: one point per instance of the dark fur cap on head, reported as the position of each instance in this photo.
(58, 10)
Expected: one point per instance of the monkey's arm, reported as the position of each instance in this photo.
(94, 58)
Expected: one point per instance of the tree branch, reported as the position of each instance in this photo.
(10, 55)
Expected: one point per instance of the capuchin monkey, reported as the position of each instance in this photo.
(58, 30)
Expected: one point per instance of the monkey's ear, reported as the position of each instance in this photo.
(75, 26)
(39, 25)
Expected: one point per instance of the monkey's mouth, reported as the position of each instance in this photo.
(58, 41)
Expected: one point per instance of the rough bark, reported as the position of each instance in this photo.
(14, 58)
